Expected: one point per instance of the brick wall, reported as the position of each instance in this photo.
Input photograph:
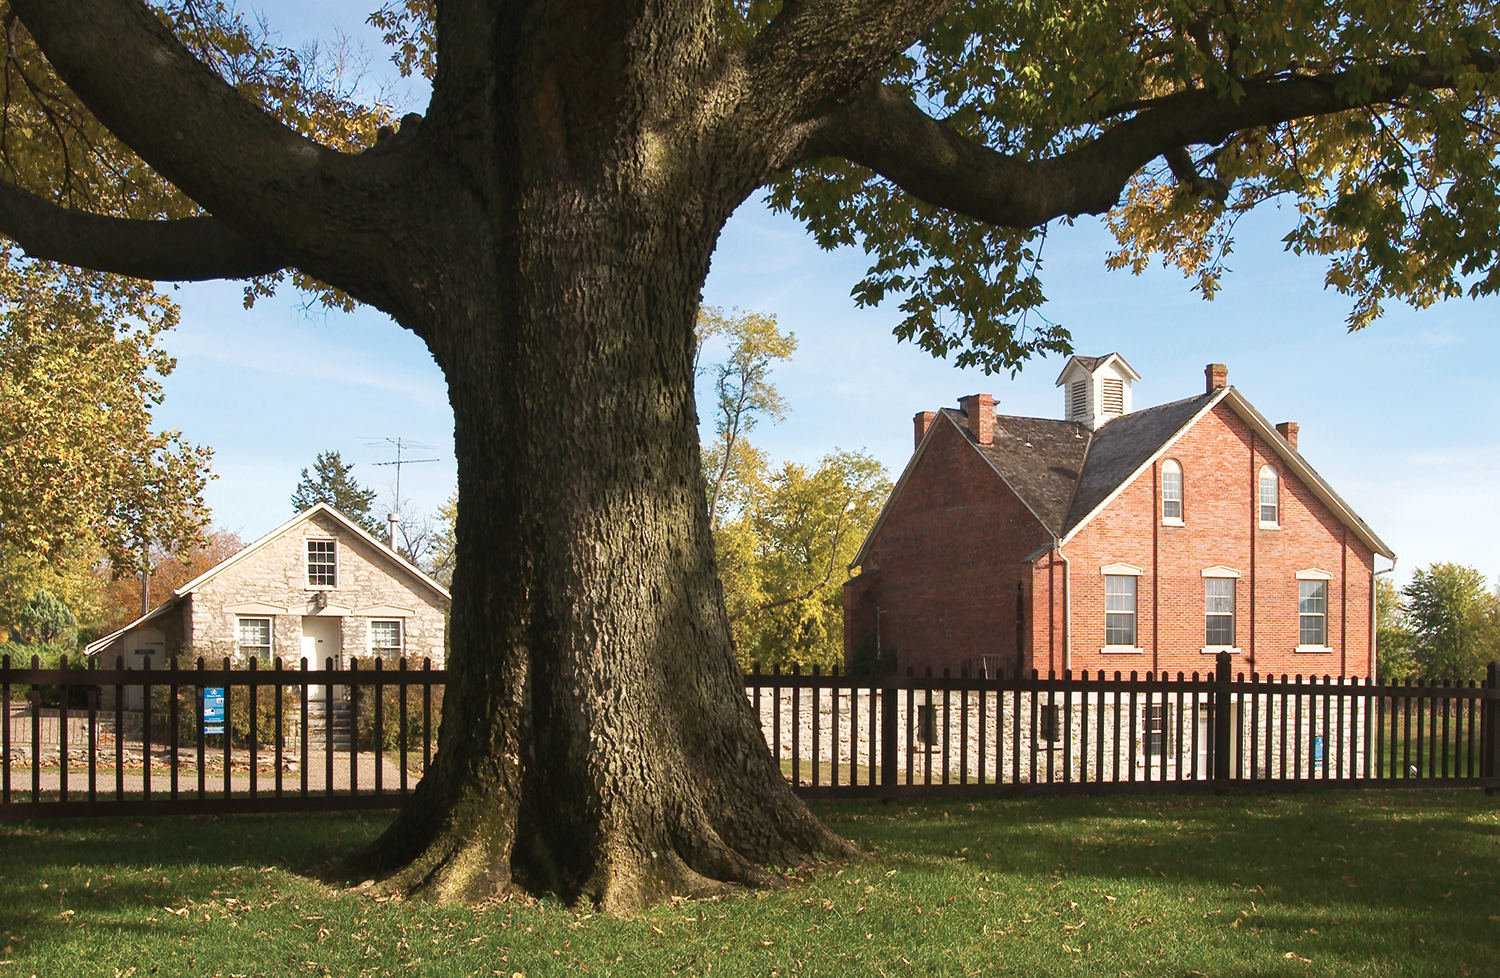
(1221, 460)
(944, 571)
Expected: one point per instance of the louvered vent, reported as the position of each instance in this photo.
(1078, 403)
(1113, 396)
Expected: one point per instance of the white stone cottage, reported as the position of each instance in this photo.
(317, 586)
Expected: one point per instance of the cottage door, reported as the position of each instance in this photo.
(323, 639)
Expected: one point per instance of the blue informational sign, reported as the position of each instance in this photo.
(1318, 751)
(213, 711)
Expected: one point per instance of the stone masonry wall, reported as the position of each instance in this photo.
(370, 586)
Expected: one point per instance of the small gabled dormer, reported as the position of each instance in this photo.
(1096, 389)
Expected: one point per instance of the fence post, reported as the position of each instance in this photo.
(1489, 726)
(1222, 719)
(888, 710)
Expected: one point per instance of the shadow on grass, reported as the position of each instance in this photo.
(1306, 885)
(1376, 875)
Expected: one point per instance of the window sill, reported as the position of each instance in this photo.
(320, 587)
(1216, 649)
(1169, 521)
(1270, 526)
(1313, 650)
(1121, 650)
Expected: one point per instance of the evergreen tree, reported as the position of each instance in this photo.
(330, 483)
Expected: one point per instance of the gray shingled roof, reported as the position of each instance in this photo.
(1039, 459)
(1062, 472)
(1122, 446)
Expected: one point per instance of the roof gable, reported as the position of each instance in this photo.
(1121, 449)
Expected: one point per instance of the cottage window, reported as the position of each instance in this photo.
(254, 638)
(1269, 497)
(1312, 612)
(322, 563)
(1218, 611)
(1119, 610)
(1171, 492)
(386, 638)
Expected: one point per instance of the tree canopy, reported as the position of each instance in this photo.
(81, 466)
(1454, 620)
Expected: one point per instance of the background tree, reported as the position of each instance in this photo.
(1455, 622)
(82, 472)
(170, 570)
(785, 557)
(743, 394)
(547, 226)
(1393, 637)
(331, 483)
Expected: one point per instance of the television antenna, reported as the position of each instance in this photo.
(402, 445)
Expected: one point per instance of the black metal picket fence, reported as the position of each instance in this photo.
(907, 736)
(206, 740)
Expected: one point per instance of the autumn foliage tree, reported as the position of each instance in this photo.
(546, 227)
(168, 571)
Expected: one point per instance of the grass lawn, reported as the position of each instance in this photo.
(1370, 883)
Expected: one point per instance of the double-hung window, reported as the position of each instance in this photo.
(1269, 501)
(253, 635)
(322, 563)
(1171, 492)
(1218, 612)
(1312, 613)
(1119, 610)
(386, 638)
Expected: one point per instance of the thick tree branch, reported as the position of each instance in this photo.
(188, 250)
(227, 154)
(884, 131)
(818, 54)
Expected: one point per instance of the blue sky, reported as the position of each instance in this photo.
(1399, 417)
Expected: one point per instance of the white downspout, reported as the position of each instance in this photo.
(1374, 676)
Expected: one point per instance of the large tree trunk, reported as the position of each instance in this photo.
(596, 739)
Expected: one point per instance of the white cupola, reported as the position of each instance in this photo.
(1096, 389)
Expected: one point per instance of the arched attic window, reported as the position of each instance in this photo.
(1270, 502)
(1171, 491)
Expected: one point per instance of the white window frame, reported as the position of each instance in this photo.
(239, 637)
(385, 650)
(1313, 575)
(1134, 612)
(1209, 611)
(307, 563)
(1260, 498)
(1171, 466)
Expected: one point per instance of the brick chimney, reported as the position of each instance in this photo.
(920, 422)
(1217, 377)
(1288, 430)
(979, 413)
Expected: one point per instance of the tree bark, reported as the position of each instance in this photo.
(597, 742)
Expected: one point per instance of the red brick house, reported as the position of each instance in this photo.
(1115, 539)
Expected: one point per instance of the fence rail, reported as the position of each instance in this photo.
(212, 740)
(140, 741)
(843, 736)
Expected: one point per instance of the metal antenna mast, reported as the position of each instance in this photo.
(401, 445)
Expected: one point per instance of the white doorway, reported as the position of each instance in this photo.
(323, 639)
